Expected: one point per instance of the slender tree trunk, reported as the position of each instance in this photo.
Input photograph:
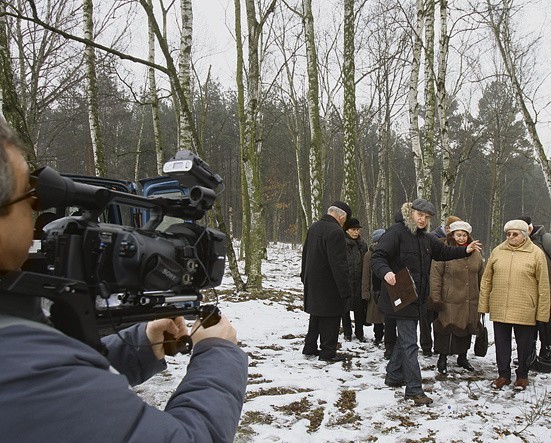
(253, 143)
(92, 92)
(154, 99)
(315, 151)
(448, 175)
(349, 191)
(414, 103)
(185, 133)
(430, 102)
(246, 217)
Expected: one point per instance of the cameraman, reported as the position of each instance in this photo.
(55, 388)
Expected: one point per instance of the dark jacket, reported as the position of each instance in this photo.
(55, 388)
(355, 250)
(324, 269)
(403, 245)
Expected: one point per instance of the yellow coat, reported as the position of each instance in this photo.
(515, 285)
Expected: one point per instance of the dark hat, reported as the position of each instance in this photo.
(377, 234)
(526, 218)
(422, 205)
(344, 207)
(352, 223)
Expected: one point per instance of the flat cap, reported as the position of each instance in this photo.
(422, 205)
(342, 205)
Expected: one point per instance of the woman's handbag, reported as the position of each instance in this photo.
(481, 341)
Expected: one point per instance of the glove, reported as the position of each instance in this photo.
(436, 305)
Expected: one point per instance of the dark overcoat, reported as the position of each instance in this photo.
(355, 250)
(401, 246)
(324, 269)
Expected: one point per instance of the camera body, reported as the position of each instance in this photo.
(104, 275)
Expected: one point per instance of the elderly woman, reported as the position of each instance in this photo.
(515, 291)
(454, 288)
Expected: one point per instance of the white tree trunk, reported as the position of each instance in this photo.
(185, 134)
(413, 102)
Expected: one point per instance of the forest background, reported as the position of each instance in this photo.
(375, 102)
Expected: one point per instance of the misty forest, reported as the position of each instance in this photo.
(375, 102)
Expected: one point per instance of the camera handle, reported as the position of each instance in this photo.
(208, 315)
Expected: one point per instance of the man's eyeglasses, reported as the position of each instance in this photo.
(512, 234)
(31, 193)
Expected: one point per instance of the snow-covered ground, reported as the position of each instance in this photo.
(292, 398)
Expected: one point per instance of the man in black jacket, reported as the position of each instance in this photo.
(409, 244)
(325, 277)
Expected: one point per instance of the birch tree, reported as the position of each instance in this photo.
(92, 92)
(499, 21)
(185, 138)
(153, 95)
(253, 143)
(428, 145)
(315, 148)
(349, 193)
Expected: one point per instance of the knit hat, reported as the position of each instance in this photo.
(377, 234)
(423, 205)
(461, 226)
(342, 205)
(526, 218)
(521, 225)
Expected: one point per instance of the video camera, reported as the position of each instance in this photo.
(99, 274)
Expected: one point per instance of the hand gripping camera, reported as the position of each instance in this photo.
(101, 275)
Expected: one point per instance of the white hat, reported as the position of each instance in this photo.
(461, 226)
(520, 225)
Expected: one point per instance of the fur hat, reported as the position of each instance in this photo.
(342, 205)
(461, 226)
(352, 223)
(377, 234)
(422, 205)
(521, 225)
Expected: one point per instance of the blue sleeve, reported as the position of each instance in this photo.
(130, 353)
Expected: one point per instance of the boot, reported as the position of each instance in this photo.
(442, 364)
(464, 363)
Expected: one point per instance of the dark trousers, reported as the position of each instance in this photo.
(359, 319)
(379, 331)
(426, 317)
(327, 329)
(524, 336)
(390, 333)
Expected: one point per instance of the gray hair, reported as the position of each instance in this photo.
(7, 179)
(335, 210)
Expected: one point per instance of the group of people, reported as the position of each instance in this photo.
(454, 287)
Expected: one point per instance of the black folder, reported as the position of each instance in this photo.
(403, 292)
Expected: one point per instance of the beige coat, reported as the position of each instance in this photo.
(369, 292)
(515, 285)
(454, 288)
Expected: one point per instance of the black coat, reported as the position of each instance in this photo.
(324, 269)
(402, 246)
(355, 251)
